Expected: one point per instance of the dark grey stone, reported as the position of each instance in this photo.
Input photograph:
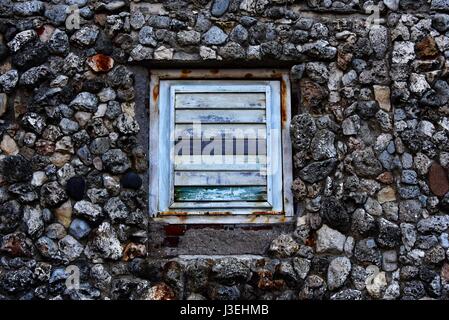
(317, 171)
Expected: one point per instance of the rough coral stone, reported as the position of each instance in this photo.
(116, 161)
(338, 272)
(329, 240)
(105, 243)
(16, 168)
(52, 194)
(284, 246)
(116, 209)
(438, 180)
(10, 216)
(88, 210)
(334, 214)
(366, 164)
(317, 171)
(302, 130)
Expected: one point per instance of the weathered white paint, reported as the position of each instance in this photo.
(219, 116)
(219, 178)
(224, 131)
(220, 101)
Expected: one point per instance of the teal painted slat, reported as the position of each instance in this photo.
(220, 193)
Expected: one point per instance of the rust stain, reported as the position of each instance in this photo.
(175, 213)
(218, 213)
(276, 74)
(283, 103)
(266, 212)
(155, 92)
(248, 75)
(252, 218)
(214, 71)
(310, 241)
(185, 73)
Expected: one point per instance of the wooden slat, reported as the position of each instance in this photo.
(221, 147)
(220, 194)
(232, 100)
(217, 178)
(219, 163)
(241, 131)
(219, 116)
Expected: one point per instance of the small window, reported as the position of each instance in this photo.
(218, 149)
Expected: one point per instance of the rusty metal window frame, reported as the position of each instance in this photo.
(163, 84)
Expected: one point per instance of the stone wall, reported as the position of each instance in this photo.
(370, 139)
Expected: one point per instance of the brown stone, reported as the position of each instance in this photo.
(8, 145)
(311, 94)
(343, 60)
(387, 194)
(3, 103)
(160, 291)
(438, 181)
(382, 96)
(19, 106)
(265, 281)
(59, 159)
(63, 214)
(385, 177)
(100, 63)
(133, 250)
(445, 272)
(427, 48)
(45, 147)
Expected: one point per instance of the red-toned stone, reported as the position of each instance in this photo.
(16, 245)
(44, 147)
(160, 291)
(100, 62)
(438, 180)
(427, 48)
(311, 94)
(385, 177)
